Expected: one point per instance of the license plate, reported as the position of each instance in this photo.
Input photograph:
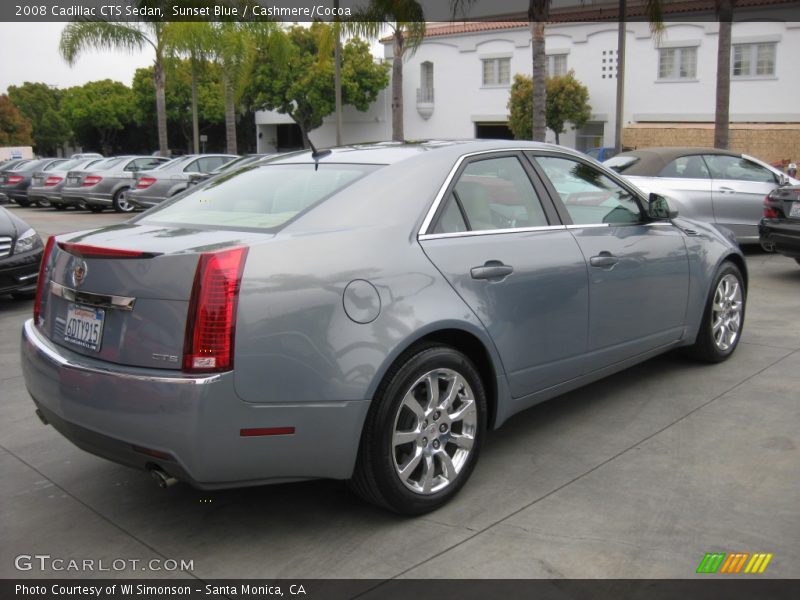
(37, 181)
(84, 326)
(795, 212)
(74, 179)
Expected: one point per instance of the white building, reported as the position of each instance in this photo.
(457, 83)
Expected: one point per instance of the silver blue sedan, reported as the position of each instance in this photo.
(366, 313)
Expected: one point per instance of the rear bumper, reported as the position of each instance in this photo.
(34, 193)
(780, 235)
(97, 199)
(196, 421)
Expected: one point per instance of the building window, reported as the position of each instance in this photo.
(425, 91)
(556, 65)
(496, 71)
(753, 60)
(677, 63)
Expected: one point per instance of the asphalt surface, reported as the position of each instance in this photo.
(636, 476)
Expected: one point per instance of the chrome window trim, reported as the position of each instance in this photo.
(34, 339)
(426, 223)
(596, 225)
(458, 234)
(92, 299)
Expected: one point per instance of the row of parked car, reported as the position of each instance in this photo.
(95, 183)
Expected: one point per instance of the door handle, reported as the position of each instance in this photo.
(492, 269)
(724, 189)
(604, 259)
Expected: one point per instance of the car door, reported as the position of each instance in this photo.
(689, 179)
(739, 187)
(498, 241)
(638, 268)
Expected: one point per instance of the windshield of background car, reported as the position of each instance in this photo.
(259, 197)
(172, 162)
(621, 163)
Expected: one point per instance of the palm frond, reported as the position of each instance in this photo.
(80, 36)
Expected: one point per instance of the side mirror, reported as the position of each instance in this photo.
(783, 180)
(658, 208)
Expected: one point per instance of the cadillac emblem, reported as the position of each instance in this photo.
(79, 273)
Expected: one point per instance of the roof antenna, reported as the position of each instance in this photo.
(317, 154)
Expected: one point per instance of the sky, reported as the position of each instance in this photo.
(29, 52)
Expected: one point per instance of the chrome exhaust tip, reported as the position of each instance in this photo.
(162, 479)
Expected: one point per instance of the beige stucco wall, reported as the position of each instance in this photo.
(771, 143)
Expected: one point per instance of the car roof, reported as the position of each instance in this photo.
(385, 153)
(653, 160)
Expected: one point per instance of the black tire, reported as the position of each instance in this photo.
(23, 202)
(95, 208)
(43, 203)
(59, 206)
(119, 204)
(23, 295)
(378, 474)
(715, 345)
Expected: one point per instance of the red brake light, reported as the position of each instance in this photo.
(145, 182)
(769, 210)
(211, 321)
(40, 284)
(91, 180)
(87, 251)
(14, 178)
(53, 180)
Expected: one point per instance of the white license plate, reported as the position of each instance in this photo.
(795, 211)
(74, 179)
(84, 326)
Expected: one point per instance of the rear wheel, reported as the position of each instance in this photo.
(120, 202)
(723, 318)
(423, 433)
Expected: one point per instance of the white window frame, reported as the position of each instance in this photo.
(552, 59)
(752, 48)
(675, 74)
(496, 80)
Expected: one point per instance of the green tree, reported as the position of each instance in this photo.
(39, 104)
(567, 101)
(406, 21)
(97, 111)
(80, 36)
(178, 95)
(15, 129)
(302, 86)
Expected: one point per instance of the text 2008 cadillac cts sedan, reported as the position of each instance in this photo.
(365, 313)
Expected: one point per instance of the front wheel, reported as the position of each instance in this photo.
(423, 433)
(120, 202)
(723, 318)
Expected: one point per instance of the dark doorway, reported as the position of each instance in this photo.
(289, 137)
(493, 131)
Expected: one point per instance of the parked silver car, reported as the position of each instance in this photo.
(156, 185)
(46, 186)
(366, 313)
(716, 186)
(106, 184)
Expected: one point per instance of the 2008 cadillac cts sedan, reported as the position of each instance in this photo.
(365, 313)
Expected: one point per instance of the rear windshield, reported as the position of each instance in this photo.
(30, 166)
(70, 164)
(258, 197)
(620, 164)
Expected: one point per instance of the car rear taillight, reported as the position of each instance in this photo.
(769, 209)
(91, 180)
(53, 180)
(211, 321)
(14, 179)
(40, 284)
(145, 182)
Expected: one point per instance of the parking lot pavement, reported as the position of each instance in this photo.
(636, 476)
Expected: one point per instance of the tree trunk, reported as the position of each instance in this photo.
(397, 87)
(538, 12)
(337, 76)
(722, 111)
(230, 114)
(620, 108)
(161, 108)
(195, 120)
(303, 133)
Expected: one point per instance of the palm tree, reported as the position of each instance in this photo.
(406, 21)
(192, 38)
(135, 36)
(724, 9)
